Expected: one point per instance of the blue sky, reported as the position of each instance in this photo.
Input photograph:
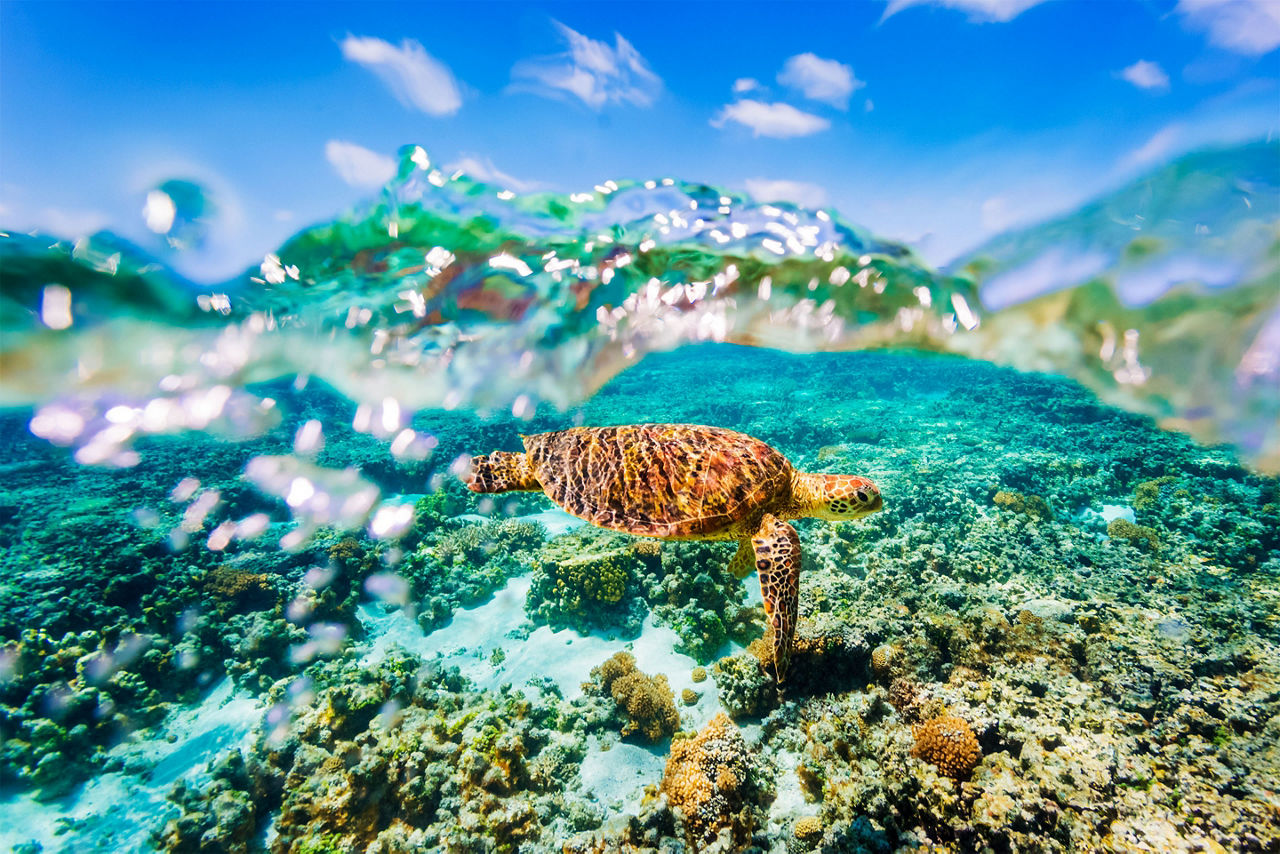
(938, 122)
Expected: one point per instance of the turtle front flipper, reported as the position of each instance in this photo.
(777, 549)
(502, 471)
(744, 560)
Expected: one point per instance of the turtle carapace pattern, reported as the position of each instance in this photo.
(687, 482)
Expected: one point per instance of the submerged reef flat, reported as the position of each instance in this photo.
(1062, 633)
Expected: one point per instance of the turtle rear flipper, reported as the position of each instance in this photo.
(502, 471)
(777, 548)
(744, 560)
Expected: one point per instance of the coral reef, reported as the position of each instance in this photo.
(586, 580)
(745, 688)
(647, 701)
(716, 783)
(595, 579)
(459, 565)
(1105, 628)
(401, 757)
(948, 743)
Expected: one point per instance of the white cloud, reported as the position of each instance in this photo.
(869, 106)
(591, 71)
(1250, 27)
(1146, 75)
(980, 11)
(776, 120)
(745, 84)
(484, 170)
(801, 192)
(415, 77)
(820, 79)
(357, 165)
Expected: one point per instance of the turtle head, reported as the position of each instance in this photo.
(835, 497)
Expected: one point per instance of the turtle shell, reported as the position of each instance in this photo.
(659, 480)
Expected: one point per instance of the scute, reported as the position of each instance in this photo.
(659, 480)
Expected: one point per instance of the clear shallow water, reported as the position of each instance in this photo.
(252, 489)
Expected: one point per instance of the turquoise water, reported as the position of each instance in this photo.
(246, 602)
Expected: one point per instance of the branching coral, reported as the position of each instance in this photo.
(1123, 529)
(647, 700)
(1028, 505)
(948, 743)
(715, 782)
(250, 590)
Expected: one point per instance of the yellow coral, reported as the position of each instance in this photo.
(591, 577)
(706, 775)
(884, 659)
(229, 583)
(699, 674)
(1147, 493)
(647, 700)
(689, 696)
(1123, 529)
(807, 830)
(948, 743)
(1028, 505)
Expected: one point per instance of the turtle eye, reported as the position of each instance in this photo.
(862, 496)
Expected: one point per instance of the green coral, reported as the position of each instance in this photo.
(584, 580)
(692, 591)
(458, 566)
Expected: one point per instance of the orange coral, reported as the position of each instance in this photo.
(708, 778)
(807, 830)
(647, 700)
(884, 659)
(948, 743)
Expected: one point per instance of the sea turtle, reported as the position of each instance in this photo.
(687, 482)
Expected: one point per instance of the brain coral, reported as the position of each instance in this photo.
(713, 781)
(947, 742)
